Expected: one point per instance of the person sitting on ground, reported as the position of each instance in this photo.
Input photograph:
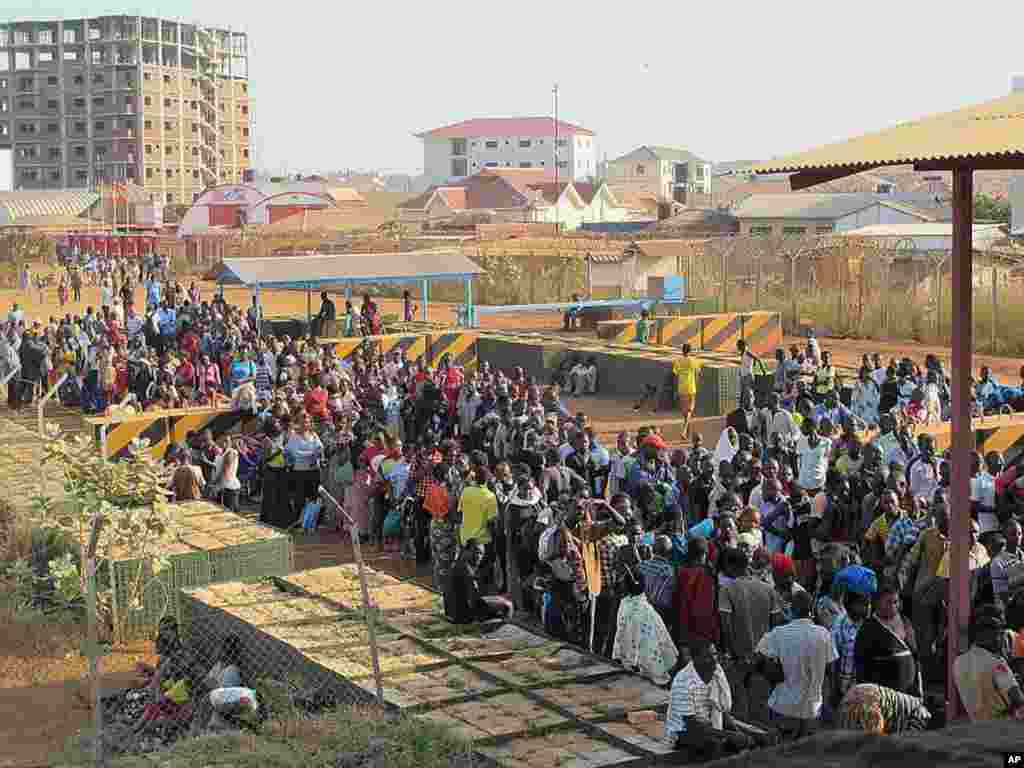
(463, 601)
(642, 641)
(878, 710)
(699, 719)
(987, 686)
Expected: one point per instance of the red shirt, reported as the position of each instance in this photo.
(316, 402)
(190, 345)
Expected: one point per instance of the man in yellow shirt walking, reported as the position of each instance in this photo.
(686, 369)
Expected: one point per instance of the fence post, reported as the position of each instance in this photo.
(995, 307)
(725, 279)
(93, 650)
(792, 293)
(369, 611)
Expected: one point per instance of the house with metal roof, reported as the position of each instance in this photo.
(669, 173)
(514, 195)
(811, 213)
(454, 152)
(16, 206)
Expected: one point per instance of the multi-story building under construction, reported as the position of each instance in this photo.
(87, 101)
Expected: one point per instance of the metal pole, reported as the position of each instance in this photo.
(426, 298)
(995, 306)
(369, 610)
(962, 434)
(309, 305)
(555, 92)
(725, 280)
(94, 652)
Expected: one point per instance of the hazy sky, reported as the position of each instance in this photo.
(346, 84)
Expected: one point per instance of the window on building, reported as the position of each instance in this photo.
(78, 80)
(55, 174)
(81, 175)
(4, 130)
(98, 101)
(4, 83)
(26, 84)
(149, 173)
(5, 37)
(640, 170)
(95, 33)
(149, 149)
(147, 125)
(245, 153)
(80, 127)
(78, 102)
(22, 37)
(245, 110)
(526, 165)
(245, 87)
(51, 80)
(5, 105)
(824, 229)
(195, 151)
(760, 229)
(55, 153)
(168, 150)
(524, 143)
(30, 174)
(167, 103)
(168, 125)
(53, 128)
(245, 131)
(490, 145)
(563, 164)
(458, 146)
(45, 56)
(131, 172)
(100, 126)
(147, 76)
(490, 165)
(53, 104)
(27, 128)
(167, 79)
(97, 56)
(79, 152)
(561, 142)
(793, 230)
(70, 35)
(97, 79)
(459, 167)
(169, 172)
(170, 198)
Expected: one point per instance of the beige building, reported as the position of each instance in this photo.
(160, 103)
(667, 173)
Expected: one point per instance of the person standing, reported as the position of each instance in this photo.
(748, 361)
(804, 650)
(686, 369)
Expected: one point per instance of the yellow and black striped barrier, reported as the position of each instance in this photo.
(762, 331)
(676, 331)
(719, 333)
(460, 346)
(412, 346)
(160, 428)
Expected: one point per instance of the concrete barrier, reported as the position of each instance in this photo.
(762, 331)
(618, 331)
(160, 428)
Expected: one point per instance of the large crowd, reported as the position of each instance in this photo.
(792, 574)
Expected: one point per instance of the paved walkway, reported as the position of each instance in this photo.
(519, 697)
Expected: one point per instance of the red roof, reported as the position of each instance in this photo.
(504, 126)
(549, 190)
(454, 197)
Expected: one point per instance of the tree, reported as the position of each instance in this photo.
(992, 208)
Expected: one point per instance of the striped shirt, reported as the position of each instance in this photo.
(692, 697)
(844, 636)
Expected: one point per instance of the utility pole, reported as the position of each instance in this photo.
(554, 91)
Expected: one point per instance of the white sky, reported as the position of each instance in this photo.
(345, 84)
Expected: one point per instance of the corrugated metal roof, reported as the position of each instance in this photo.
(810, 205)
(669, 154)
(991, 129)
(15, 205)
(926, 229)
(317, 270)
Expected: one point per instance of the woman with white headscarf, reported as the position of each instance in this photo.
(728, 446)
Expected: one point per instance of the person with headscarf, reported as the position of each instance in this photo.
(885, 651)
(728, 446)
(786, 585)
(878, 710)
(642, 642)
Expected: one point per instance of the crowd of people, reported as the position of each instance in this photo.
(792, 574)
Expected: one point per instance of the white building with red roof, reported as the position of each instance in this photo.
(453, 152)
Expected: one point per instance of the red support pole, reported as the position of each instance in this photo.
(962, 433)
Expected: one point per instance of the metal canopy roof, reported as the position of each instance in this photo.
(312, 270)
(987, 135)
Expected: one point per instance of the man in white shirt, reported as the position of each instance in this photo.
(813, 452)
(776, 420)
(805, 651)
(699, 719)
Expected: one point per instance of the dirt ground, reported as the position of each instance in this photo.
(43, 700)
(846, 352)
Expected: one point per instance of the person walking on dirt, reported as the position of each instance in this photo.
(26, 278)
(686, 369)
(76, 283)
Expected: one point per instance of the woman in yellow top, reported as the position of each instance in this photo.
(686, 369)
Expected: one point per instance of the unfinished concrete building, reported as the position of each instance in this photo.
(159, 103)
